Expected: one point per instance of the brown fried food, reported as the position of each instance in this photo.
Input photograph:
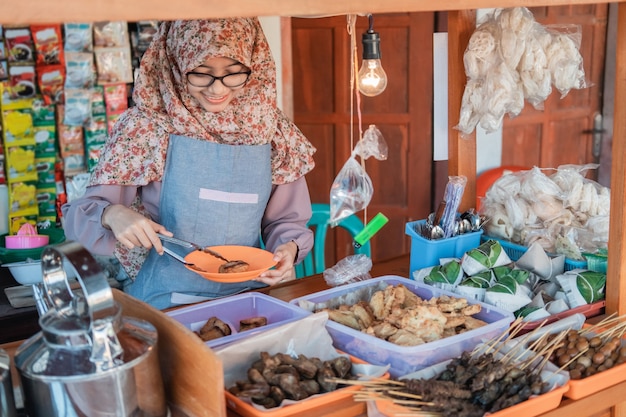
(347, 318)
(233, 267)
(252, 323)
(405, 338)
(214, 328)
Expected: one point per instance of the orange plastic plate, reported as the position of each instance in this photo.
(259, 260)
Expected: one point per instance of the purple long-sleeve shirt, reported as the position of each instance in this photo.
(285, 218)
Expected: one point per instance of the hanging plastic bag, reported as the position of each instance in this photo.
(352, 189)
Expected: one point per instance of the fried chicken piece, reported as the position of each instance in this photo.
(405, 338)
(347, 318)
(454, 321)
(409, 298)
(377, 304)
(426, 322)
(382, 330)
(472, 323)
(449, 304)
(362, 312)
(472, 309)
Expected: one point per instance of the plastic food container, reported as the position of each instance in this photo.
(406, 359)
(580, 388)
(340, 399)
(534, 406)
(589, 310)
(235, 308)
(26, 272)
(426, 252)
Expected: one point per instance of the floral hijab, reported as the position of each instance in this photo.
(136, 150)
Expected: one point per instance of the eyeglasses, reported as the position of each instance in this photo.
(201, 79)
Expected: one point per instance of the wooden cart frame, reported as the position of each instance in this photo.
(461, 23)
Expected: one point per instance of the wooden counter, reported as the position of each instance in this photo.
(594, 405)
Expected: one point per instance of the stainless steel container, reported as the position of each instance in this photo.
(88, 360)
(7, 401)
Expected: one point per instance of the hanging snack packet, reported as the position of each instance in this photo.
(48, 44)
(488, 255)
(79, 68)
(110, 34)
(19, 44)
(78, 37)
(51, 79)
(114, 65)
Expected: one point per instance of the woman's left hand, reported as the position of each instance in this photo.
(284, 255)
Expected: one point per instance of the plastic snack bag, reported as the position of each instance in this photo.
(353, 268)
(352, 189)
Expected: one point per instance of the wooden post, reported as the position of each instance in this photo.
(616, 273)
(461, 150)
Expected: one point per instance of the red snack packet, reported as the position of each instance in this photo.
(19, 44)
(51, 79)
(48, 44)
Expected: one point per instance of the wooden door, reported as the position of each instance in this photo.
(561, 133)
(326, 111)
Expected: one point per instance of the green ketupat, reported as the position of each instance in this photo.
(506, 285)
(444, 274)
(487, 253)
(480, 280)
(591, 285)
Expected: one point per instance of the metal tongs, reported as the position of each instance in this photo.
(205, 249)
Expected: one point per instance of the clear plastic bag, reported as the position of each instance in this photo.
(353, 268)
(511, 58)
(352, 189)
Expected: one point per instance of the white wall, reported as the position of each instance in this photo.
(271, 27)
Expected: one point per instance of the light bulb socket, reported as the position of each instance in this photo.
(371, 45)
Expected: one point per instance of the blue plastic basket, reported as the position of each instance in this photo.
(515, 251)
(425, 252)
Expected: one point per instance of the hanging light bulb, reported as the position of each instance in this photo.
(372, 78)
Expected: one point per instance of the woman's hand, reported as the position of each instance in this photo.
(133, 229)
(285, 256)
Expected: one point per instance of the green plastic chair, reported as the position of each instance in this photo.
(315, 261)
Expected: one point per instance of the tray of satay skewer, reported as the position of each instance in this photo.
(501, 378)
(594, 355)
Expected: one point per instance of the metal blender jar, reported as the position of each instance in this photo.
(88, 359)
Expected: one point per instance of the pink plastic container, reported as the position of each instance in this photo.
(26, 241)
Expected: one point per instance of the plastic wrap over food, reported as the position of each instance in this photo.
(562, 210)
(511, 58)
(352, 189)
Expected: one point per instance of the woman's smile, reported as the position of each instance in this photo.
(216, 96)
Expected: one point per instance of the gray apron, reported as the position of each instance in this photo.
(212, 194)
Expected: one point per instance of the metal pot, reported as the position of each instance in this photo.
(7, 401)
(88, 360)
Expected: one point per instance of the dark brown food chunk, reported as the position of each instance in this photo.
(233, 267)
(252, 323)
(214, 328)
